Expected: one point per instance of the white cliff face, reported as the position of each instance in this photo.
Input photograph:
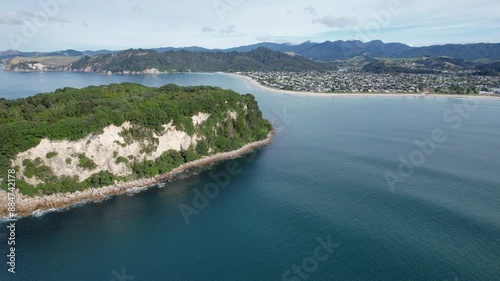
(31, 67)
(37, 66)
(103, 150)
(200, 118)
(233, 114)
(172, 139)
(29, 205)
(151, 71)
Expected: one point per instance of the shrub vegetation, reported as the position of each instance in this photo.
(72, 114)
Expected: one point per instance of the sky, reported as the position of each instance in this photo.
(49, 25)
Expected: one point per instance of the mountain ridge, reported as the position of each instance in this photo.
(151, 61)
(325, 51)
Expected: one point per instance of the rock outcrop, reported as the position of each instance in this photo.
(26, 205)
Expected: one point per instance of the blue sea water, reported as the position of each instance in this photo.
(315, 204)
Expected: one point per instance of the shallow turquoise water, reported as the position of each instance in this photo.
(322, 178)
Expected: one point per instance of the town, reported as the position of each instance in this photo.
(365, 82)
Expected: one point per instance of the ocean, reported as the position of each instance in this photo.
(351, 189)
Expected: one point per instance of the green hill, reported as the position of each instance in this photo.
(492, 69)
(64, 141)
(260, 59)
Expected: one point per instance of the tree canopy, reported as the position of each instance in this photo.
(72, 114)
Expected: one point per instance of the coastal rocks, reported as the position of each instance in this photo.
(151, 71)
(26, 205)
(124, 72)
(26, 67)
(94, 68)
(40, 67)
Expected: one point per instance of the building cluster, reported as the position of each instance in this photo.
(358, 81)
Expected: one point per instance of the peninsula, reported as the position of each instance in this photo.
(77, 145)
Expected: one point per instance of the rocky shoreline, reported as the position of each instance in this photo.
(39, 67)
(26, 206)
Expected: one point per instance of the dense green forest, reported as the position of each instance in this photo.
(260, 59)
(72, 114)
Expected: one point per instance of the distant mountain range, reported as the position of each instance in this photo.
(339, 50)
(151, 61)
(326, 51)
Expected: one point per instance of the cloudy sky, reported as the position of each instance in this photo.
(48, 25)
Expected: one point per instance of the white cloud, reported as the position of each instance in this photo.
(228, 29)
(137, 9)
(339, 22)
(21, 17)
(207, 29)
(310, 10)
(152, 23)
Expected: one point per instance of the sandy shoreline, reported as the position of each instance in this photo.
(25, 205)
(330, 95)
(309, 94)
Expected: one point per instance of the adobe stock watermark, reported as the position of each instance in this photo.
(371, 29)
(312, 263)
(427, 147)
(31, 25)
(121, 276)
(222, 179)
(211, 190)
(281, 119)
(223, 7)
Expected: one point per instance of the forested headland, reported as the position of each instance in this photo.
(232, 121)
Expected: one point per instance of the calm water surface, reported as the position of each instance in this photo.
(322, 178)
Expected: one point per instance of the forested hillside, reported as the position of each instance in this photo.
(260, 59)
(231, 121)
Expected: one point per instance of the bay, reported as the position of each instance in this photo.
(322, 178)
